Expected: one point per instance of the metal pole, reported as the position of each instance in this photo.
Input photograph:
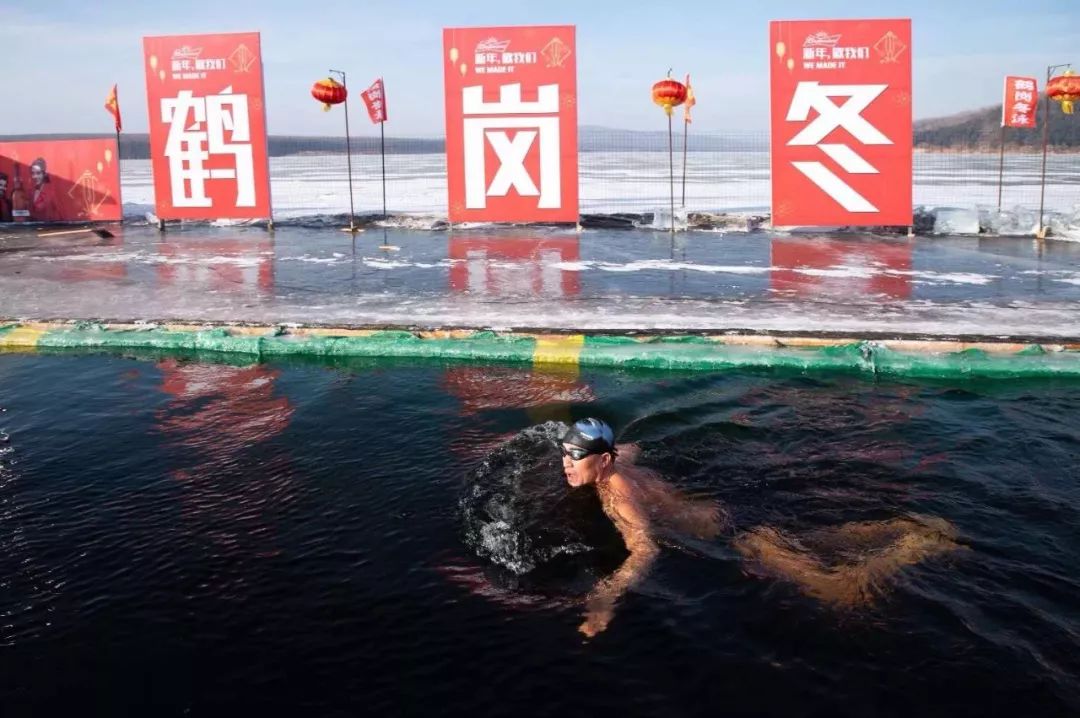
(671, 170)
(382, 151)
(1046, 140)
(686, 131)
(1001, 165)
(348, 151)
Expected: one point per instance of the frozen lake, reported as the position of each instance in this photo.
(736, 181)
(547, 279)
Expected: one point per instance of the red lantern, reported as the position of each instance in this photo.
(1065, 88)
(669, 94)
(329, 92)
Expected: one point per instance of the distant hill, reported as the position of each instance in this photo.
(981, 129)
(593, 138)
(976, 129)
(136, 146)
(590, 139)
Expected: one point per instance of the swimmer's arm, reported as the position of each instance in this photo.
(600, 605)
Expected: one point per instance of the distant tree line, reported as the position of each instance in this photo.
(978, 129)
(982, 129)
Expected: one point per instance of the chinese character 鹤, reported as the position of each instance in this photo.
(200, 128)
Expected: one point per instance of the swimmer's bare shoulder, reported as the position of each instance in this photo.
(627, 453)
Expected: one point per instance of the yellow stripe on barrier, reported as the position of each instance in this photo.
(558, 349)
(21, 337)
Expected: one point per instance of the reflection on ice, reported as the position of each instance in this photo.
(552, 280)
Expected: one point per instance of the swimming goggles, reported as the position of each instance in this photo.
(575, 452)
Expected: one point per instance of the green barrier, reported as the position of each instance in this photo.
(683, 353)
(699, 353)
(484, 346)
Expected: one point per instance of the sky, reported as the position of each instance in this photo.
(61, 57)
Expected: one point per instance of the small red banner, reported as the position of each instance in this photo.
(375, 99)
(1020, 102)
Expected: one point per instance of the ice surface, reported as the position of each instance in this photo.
(602, 280)
(312, 186)
(955, 220)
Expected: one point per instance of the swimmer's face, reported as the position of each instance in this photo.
(584, 471)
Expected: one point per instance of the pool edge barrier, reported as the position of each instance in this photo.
(925, 358)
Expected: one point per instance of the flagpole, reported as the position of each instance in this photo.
(1046, 140)
(686, 130)
(671, 170)
(1001, 165)
(382, 151)
(348, 150)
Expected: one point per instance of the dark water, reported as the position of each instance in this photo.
(182, 538)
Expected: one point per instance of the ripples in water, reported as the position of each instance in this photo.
(287, 537)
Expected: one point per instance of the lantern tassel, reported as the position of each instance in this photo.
(1067, 107)
(326, 107)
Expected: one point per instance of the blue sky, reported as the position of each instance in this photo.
(60, 57)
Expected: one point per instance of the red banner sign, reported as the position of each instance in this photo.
(1020, 102)
(375, 100)
(207, 126)
(60, 181)
(841, 122)
(511, 124)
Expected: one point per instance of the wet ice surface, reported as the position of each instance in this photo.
(503, 279)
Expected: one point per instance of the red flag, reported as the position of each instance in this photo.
(375, 99)
(1021, 102)
(112, 104)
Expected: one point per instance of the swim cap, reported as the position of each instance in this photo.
(593, 435)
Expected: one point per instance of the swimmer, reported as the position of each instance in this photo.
(637, 501)
(643, 507)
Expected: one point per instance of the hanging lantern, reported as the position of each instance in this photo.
(669, 94)
(1065, 88)
(329, 92)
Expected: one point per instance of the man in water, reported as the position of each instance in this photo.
(643, 507)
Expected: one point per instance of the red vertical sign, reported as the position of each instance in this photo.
(1020, 102)
(207, 126)
(511, 124)
(841, 122)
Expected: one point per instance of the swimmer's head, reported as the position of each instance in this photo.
(588, 449)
